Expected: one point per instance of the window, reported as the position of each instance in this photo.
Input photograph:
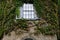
(28, 39)
(27, 11)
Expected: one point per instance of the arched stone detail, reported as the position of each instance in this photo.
(28, 37)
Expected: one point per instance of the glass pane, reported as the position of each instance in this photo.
(31, 7)
(30, 16)
(27, 12)
(25, 7)
(28, 7)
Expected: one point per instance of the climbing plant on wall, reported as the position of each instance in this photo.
(7, 14)
(47, 10)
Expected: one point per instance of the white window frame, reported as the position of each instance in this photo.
(28, 10)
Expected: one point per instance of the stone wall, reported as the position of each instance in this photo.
(13, 36)
(21, 34)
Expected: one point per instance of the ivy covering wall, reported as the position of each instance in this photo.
(47, 10)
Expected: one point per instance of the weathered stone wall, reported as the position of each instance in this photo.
(13, 36)
(21, 34)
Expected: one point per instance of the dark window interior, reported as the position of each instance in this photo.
(27, 1)
(28, 39)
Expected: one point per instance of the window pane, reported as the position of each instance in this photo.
(25, 7)
(30, 15)
(28, 7)
(31, 7)
(27, 12)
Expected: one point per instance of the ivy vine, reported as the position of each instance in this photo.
(47, 10)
